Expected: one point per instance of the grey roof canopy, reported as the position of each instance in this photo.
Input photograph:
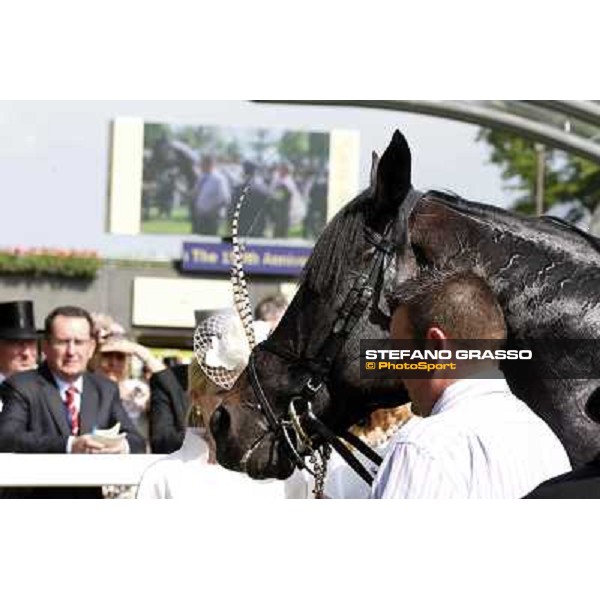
(572, 126)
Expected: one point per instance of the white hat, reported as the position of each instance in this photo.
(222, 348)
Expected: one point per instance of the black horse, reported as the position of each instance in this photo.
(545, 274)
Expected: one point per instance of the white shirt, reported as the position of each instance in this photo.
(480, 441)
(187, 475)
(343, 482)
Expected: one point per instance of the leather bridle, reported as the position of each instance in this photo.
(301, 431)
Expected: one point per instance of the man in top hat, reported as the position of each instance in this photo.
(18, 338)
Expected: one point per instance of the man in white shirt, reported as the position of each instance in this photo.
(473, 438)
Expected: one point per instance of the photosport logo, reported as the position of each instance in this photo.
(555, 358)
(381, 359)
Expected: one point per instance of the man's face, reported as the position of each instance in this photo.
(70, 347)
(17, 355)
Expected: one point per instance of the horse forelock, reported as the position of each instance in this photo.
(338, 245)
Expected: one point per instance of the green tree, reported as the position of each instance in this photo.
(567, 177)
(294, 145)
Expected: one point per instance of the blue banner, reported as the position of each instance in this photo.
(258, 259)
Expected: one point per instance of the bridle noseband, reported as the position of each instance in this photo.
(302, 431)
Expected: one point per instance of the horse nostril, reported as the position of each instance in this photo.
(220, 421)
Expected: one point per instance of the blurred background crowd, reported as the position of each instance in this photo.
(194, 175)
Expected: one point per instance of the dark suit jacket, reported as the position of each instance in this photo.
(168, 410)
(581, 483)
(34, 420)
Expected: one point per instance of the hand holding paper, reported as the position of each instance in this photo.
(110, 440)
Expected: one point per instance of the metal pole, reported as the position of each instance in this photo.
(540, 151)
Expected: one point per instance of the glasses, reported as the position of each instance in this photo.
(64, 344)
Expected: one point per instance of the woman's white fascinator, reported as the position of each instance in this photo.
(222, 349)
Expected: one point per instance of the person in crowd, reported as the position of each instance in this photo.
(18, 338)
(254, 215)
(287, 205)
(57, 407)
(168, 399)
(474, 438)
(270, 309)
(342, 482)
(169, 402)
(168, 409)
(166, 192)
(172, 361)
(113, 360)
(316, 214)
(211, 197)
(192, 472)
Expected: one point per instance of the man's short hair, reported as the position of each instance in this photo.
(270, 307)
(66, 311)
(461, 304)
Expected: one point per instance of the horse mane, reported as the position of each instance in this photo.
(339, 243)
(485, 211)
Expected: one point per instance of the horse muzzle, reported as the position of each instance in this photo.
(259, 452)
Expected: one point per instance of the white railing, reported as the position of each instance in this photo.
(84, 470)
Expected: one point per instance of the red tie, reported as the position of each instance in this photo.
(72, 409)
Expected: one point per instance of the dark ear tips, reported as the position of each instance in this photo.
(399, 141)
(393, 173)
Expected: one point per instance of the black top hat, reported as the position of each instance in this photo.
(16, 321)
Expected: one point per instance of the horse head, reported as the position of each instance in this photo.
(546, 278)
(301, 345)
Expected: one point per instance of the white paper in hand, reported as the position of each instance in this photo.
(108, 437)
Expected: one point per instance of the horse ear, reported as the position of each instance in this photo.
(393, 175)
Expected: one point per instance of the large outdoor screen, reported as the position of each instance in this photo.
(185, 179)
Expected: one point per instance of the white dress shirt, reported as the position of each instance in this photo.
(480, 441)
(187, 475)
(343, 482)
